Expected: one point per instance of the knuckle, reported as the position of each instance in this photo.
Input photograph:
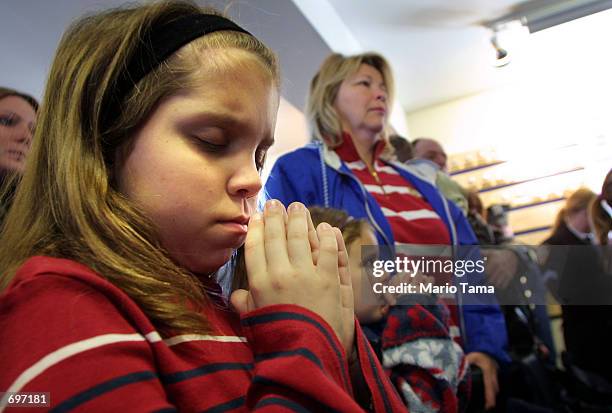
(295, 233)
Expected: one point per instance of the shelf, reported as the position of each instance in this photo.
(533, 204)
(476, 168)
(493, 188)
(532, 230)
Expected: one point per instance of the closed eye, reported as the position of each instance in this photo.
(210, 146)
(9, 120)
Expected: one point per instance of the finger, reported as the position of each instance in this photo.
(495, 382)
(346, 298)
(313, 238)
(298, 245)
(275, 235)
(240, 301)
(489, 388)
(254, 248)
(343, 260)
(328, 253)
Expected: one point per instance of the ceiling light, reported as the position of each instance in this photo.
(501, 55)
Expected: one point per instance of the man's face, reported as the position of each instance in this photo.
(430, 149)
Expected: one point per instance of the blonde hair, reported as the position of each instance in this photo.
(602, 222)
(577, 201)
(68, 204)
(323, 119)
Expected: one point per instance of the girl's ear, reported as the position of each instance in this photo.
(118, 160)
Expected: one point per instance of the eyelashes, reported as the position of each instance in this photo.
(209, 146)
(260, 158)
(220, 148)
(7, 120)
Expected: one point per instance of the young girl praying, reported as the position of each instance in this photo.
(141, 183)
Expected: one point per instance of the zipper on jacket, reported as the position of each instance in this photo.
(363, 193)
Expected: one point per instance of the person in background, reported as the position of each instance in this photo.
(601, 213)
(581, 285)
(446, 387)
(476, 216)
(350, 167)
(572, 225)
(402, 148)
(141, 185)
(426, 149)
(17, 122)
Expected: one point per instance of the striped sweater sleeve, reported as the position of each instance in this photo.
(62, 337)
(300, 362)
(79, 338)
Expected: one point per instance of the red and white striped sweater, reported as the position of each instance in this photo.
(67, 331)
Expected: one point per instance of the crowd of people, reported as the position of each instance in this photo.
(136, 184)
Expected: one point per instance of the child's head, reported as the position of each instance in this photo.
(357, 233)
(145, 166)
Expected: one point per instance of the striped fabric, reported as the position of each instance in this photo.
(412, 219)
(67, 331)
(420, 346)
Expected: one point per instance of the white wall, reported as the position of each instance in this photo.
(558, 90)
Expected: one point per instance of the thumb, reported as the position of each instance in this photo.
(241, 300)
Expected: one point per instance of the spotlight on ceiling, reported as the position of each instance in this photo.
(501, 55)
(508, 40)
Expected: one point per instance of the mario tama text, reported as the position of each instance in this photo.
(431, 288)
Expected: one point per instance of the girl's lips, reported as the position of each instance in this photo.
(16, 155)
(234, 226)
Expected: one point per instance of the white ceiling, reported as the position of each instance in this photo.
(437, 48)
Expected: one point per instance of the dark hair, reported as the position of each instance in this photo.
(350, 227)
(6, 92)
(404, 150)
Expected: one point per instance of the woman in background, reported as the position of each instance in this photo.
(350, 167)
(582, 287)
(601, 213)
(17, 122)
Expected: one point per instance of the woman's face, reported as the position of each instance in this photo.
(361, 102)
(17, 120)
(193, 166)
(606, 188)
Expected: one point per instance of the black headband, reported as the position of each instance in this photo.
(156, 45)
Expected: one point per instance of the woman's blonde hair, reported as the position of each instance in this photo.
(577, 201)
(67, 204)
(323, 119)
(602, 222)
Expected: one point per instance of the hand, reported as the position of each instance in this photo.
(489, 375)
(501, 266)
(289, 262)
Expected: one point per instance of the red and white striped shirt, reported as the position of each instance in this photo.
(67, 331)
(412, 219)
